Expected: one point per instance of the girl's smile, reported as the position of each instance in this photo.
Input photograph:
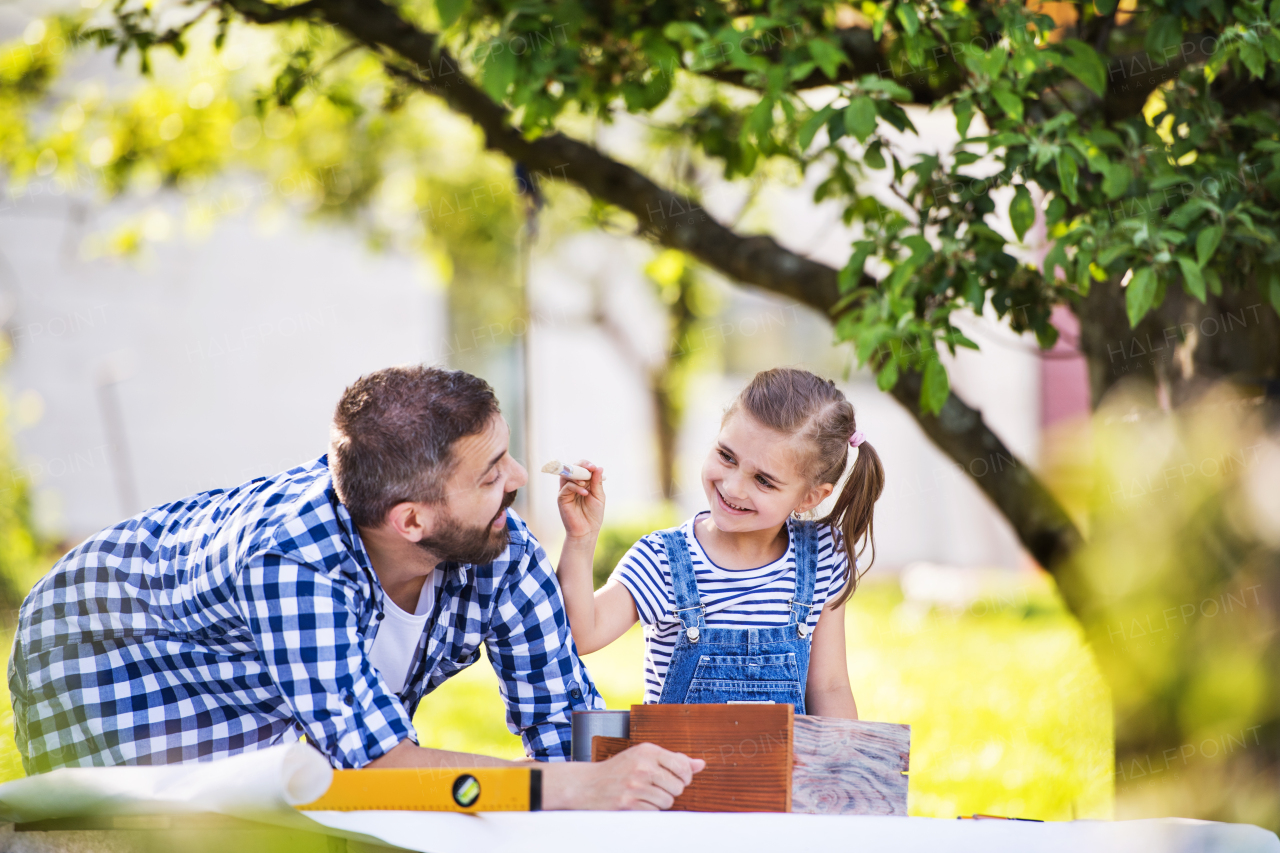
(729, 507)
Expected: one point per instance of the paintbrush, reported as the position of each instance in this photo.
(564, 469)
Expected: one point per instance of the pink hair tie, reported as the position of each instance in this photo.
(856, 439)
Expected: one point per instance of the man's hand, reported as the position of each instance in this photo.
(645, 777)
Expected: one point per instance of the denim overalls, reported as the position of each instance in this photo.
(739, 664)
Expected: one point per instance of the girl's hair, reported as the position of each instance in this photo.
(795, 402)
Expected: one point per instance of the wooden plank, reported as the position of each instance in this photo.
(849, 767)
(747, 749)
(603, 748)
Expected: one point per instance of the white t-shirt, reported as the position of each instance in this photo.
(398, 635)
(734, 598)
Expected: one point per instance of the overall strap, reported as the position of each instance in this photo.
(689, 607)
(806, 544)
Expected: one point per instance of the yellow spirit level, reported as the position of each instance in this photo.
(434, 789)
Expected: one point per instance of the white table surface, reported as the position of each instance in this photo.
(645, 832)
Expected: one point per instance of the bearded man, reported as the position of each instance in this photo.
(322, 604)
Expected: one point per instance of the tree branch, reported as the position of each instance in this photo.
(1046, 531)
(1131, 77)
(677, 221)
(261, 12)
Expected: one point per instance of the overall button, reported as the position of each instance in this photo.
(803, 629)
(692, 633)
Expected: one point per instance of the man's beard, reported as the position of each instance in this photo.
(455, 542)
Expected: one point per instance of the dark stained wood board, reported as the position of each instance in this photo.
(748, 750)
(603, 748)
(849, 766)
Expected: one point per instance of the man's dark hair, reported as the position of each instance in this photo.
(393, 434)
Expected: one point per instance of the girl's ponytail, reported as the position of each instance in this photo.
(852, 518)
(796, 402)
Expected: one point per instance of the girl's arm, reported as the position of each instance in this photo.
(595, 618)
(828, 692)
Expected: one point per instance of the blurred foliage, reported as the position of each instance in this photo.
(1183, 517)
(22, 549)
(274, 121)
(617, 537)
(688, 299)
(1009, 713)
(1032, 91)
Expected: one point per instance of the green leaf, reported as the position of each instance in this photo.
(964, 115)
(1009, 102)
(499, 73)
(935, 387)
(682, 30)
(964, 158)
(835, 126)
(1207, 243)
(1139, 295)
(906, 13)
(888, 375)
(1116, 180)
(1054, 258)
(810, 127)
(1192, 279)
(895, 115)
(1105, 7)
(1165, 33)
(860, 117)
(1254, 59)
(760, 121)
(851, 273)
(828, 56)
(1275, 291)
(449, 10)
(1184, 214)
(873, 156)
(1214, 281)
(1086, 66)
(1022, 211)
(1109, 255)
(892, 88)
(1055, 211)
(1067, 172)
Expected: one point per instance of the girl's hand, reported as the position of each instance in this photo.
(582, 504)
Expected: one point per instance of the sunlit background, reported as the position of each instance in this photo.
(186, 319)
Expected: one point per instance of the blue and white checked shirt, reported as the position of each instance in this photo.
(239, 619)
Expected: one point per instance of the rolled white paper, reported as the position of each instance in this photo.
(269, 781)
(564, 469)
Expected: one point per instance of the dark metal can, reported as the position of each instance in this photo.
(589, 724)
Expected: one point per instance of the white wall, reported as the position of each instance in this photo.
(230, 355)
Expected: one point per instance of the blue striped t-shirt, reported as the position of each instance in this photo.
(734, 598)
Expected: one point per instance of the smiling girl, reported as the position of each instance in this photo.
(744, 602)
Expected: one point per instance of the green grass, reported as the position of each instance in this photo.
(1008, 712)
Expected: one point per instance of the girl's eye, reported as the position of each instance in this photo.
(762, 481)
(725, 456)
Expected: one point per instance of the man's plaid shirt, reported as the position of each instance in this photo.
(239, 619)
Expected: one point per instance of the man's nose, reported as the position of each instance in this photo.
(519, 477)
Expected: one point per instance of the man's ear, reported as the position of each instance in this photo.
(816, 495)
(411, 520)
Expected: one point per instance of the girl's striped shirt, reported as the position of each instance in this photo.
(734, 598)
